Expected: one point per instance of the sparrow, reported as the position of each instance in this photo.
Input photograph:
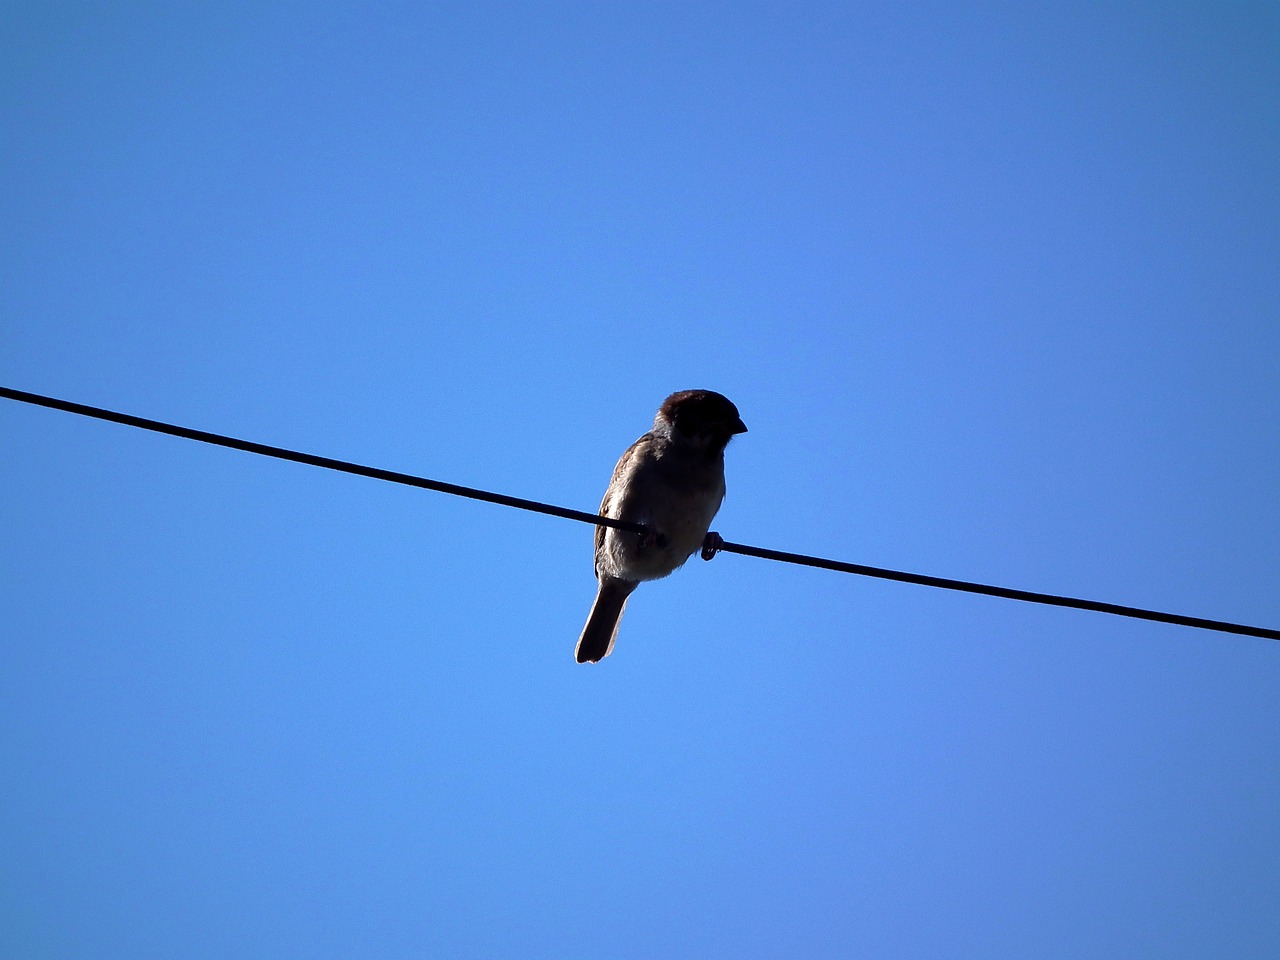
(671, 480)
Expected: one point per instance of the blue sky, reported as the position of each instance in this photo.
(995, 290)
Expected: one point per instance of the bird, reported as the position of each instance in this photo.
(671, 481)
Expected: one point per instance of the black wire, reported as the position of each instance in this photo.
(763, 553)
(1007, 593)
(280, 453)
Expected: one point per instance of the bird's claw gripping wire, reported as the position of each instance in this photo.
(711, 544)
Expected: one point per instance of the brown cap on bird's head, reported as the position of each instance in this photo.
(695, 412)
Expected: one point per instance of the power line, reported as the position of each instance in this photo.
(714, 542)
(328, 463)
(1007, 593)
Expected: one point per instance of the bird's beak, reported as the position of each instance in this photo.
(737, 426)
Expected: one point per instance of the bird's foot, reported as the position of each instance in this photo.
(711, 544)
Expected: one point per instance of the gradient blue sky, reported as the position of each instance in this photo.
(996, 288)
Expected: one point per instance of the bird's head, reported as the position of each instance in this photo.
(702, 417)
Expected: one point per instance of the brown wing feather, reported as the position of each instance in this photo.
(615, 485)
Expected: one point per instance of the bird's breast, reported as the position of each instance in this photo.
(676, 505)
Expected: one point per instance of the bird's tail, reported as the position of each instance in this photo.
(601, 630)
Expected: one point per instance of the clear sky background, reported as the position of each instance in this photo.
(997, 291)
